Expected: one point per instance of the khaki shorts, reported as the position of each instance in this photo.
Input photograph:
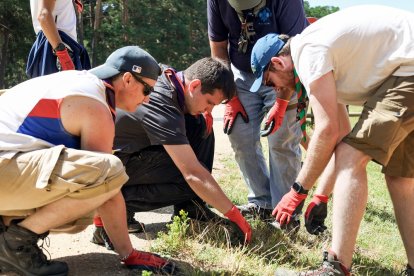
(75, 173)
(385, 130)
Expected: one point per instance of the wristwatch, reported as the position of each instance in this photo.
(58, 48)
(299, 188)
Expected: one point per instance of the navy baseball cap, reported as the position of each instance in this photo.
(128, 59)
(263, 51)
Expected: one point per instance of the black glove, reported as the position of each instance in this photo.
(315, 214)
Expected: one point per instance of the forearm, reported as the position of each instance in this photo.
(318, 155)
(49, 28)
(198, 177)
(219, 50)
(327, 180)
(204, 185)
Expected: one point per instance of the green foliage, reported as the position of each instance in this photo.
(16, 38)
(319, 11)
(175, 239)
(174, 32)
(146, 273)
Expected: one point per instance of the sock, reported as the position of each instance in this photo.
(98, 221)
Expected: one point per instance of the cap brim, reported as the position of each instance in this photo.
(104, 71)
(256, 84)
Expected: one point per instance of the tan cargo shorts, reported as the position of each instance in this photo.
(385, 129)
(67, 173)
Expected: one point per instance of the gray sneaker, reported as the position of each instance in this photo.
(253, 210)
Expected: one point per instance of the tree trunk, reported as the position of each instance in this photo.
(125, 19)
(79, 27)
(5, 34)
(96, 26)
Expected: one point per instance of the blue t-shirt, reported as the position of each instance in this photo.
(278, 16)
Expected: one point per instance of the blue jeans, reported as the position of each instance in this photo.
(266, 186)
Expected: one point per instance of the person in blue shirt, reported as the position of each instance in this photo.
(233, 28)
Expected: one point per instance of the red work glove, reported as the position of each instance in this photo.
(235, 216)
(209, 123)
(274, 117)
(316, 213)
(233, 108)
(290, 204)
(64, 60)
(148, 261)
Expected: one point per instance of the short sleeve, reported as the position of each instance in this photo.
(164, 122)
(217, 30)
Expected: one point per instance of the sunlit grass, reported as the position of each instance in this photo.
(208, 249)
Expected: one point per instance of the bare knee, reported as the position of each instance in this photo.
(351, 156)
(115, 163)
(400, 184)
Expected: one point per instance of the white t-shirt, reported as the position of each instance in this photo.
(63, 13)
(362, 45)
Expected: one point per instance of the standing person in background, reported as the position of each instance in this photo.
(234, 27)
(56, 47)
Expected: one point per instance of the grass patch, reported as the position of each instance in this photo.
(211, 249)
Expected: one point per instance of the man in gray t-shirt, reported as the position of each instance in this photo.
(166, 151)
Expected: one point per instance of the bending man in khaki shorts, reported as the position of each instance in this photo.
(360, 56)
(56, 136)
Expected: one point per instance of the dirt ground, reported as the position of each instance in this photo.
(86, 258)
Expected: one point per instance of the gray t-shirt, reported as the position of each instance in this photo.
(159, 122)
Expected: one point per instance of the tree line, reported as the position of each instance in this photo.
(174, 32)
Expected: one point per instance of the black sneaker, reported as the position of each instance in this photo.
(252, 210)
(20, 253)
(409, 271)
(134, 226)
(196, 210)
(101, 238)
(330, 267)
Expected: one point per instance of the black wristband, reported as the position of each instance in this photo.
(299, 188)
(59, 47)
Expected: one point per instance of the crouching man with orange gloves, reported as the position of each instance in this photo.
(166, 152)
